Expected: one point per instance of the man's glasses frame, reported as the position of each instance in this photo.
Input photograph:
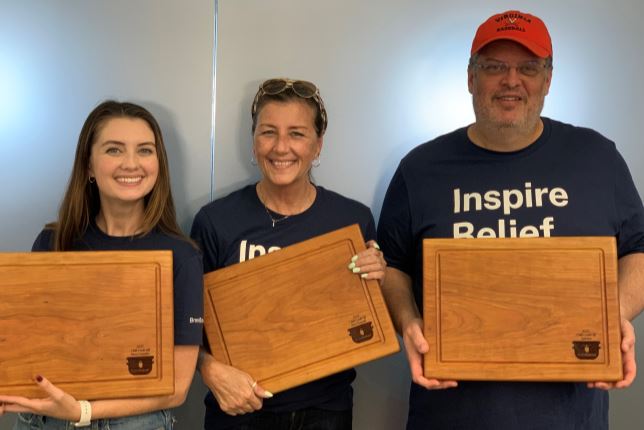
(528, 69)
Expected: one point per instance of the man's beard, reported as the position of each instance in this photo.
(525, 124)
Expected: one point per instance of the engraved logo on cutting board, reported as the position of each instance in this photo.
(140, 360)
(360, 329)
(586, 346)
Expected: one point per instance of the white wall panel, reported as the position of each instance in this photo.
(59, 59)
(393, 75)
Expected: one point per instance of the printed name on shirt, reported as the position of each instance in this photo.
(506, 201)
(248, 251)
(198, 320)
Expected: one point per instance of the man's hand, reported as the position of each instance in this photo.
(415, 346)
(628, 360)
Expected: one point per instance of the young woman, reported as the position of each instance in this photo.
(119, 198)
(283, 208)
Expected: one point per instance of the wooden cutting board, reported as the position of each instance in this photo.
(98, 324)
(298, 314)
(531, 309)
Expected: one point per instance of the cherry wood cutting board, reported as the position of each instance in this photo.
(297, 314)
(98, 324)
(530, 309)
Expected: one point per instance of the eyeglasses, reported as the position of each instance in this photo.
(303, 89)
(497, 68)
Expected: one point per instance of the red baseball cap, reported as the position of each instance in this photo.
(523, 28)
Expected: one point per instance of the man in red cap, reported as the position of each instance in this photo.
(481, 181)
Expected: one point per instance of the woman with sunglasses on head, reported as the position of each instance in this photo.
(119, 198)
(285, 207)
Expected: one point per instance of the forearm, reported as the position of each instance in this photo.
(631, 285)
(185, 358)
(204, 356)
(399, 297)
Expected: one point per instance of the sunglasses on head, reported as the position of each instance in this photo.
(303, 89)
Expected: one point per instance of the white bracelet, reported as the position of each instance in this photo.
(86, 414)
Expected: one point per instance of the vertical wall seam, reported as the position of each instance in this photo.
(214, 100)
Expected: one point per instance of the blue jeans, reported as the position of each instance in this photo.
(304, 419)
(159, 420)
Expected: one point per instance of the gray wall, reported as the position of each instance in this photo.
(59, 59)
(392, 74)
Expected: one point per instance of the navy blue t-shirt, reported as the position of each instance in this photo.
(570, 182)
(186, 266)
(237, 228)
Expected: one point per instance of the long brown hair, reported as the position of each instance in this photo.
(82, 203)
